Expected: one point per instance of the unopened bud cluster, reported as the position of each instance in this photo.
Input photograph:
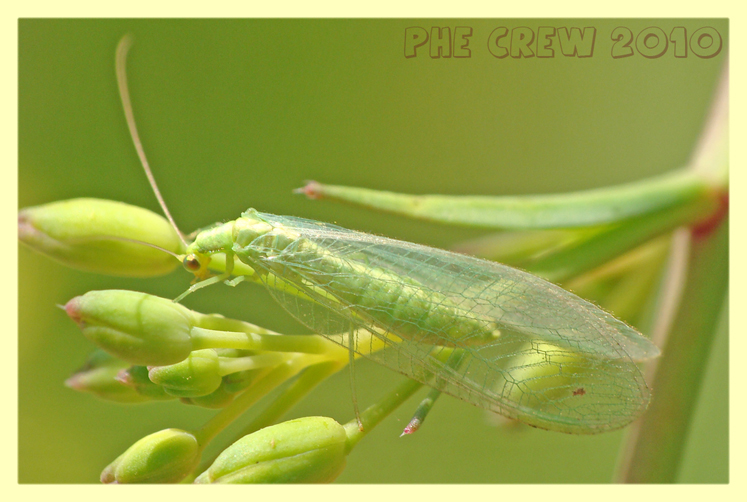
(157, 349)
(152, 349)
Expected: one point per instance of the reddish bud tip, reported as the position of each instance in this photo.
(25, 228)
(125, 378)
(72, 308)
(75, 382)
(312, 190)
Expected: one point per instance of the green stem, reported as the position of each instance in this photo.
(217, 339)
(214, 426)
(377, 412)
(456, 358)
(632, 291)
(655, 447)
(578, 209)
(217, 321)
(306, 382)
(229, 365)
(651, 252)
(512, 247)
(606, 245)
(309, 379)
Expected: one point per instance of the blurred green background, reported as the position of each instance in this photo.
(237, 113)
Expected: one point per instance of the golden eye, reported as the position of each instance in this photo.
(191, 263)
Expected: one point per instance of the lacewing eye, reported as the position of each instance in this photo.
(191, 263)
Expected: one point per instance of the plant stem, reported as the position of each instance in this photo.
(655, 446)
(220, 421)
(600, 206)
(604, 246)
(309, 379)
(308, 344)
(306, 382)
(375, 413)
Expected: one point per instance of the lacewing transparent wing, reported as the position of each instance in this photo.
(534, 352)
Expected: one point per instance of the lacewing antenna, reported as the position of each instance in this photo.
(124, 94)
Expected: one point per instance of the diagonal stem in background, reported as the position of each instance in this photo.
(654, 449)
(656, 444)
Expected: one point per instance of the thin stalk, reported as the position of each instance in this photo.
(306, 382)
(600, 206)
(600, 248)
(654, 447)
(656, 444)
(377, 412)
(242, 403)
(212, 339)
(425, 407)
(456, 358)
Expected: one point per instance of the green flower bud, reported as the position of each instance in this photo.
(220, 398)
(167, 456)
(230, 386)
(239, 381)
(306, 450)
(99, 377)
(136, 377)
(135, 327)
(198, 375)
(74, 232)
